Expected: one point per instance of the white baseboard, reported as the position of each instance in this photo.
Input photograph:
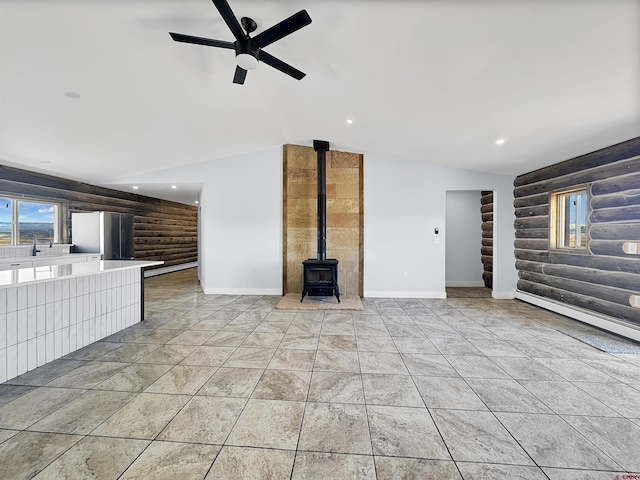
(508, 295)
(172, 268)
(242, 291)
(472, 283)
(601, 321)
(396, 294)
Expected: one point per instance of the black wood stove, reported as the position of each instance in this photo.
(320, 275)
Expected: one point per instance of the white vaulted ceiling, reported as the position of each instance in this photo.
(429, 81)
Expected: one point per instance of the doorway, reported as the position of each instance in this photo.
(468, 243)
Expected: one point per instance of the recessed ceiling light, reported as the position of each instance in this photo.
(500, 141)
(197, 202)
(349, 121)
(135, 187)
(174, 186)
(73, 95)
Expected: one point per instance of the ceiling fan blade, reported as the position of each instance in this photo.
(229, 18)
(286, 27)
(179, 37)
(280, 65)
(240, 75)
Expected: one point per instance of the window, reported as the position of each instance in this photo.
(22, 220)
(569, 220)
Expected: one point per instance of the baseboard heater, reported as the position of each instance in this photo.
(610, 324)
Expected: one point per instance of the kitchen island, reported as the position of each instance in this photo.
(49, 311)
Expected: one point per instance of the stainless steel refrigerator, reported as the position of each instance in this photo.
(108, 233)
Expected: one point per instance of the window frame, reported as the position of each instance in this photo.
(59, 218)
(557, 219)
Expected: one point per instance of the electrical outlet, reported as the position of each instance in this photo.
(436, 240)
(630, 248)
(404, 274)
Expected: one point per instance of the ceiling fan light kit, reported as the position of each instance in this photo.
(249, 50)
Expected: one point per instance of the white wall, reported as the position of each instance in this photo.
(463, 239)
(241, 223)
(404, 202)
(240, 220)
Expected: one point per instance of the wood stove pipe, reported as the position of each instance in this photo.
(322, 147)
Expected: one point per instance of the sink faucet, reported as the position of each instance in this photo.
(35, 250)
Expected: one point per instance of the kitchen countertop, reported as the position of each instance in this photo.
(22, 276)
(45, 257)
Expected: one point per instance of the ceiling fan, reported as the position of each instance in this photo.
(249, 50)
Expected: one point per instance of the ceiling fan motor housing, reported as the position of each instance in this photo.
(246, 53)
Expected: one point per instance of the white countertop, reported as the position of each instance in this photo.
(45, 257)
(21, 276)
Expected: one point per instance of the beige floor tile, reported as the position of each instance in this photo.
(190, 337)
(398, 390)
(95, 458)
(144, 417)
(482, 471)
(369, 343)
(464, 357)
(502, 395)
(246, 357)
(569, 474)
(336, 387)
(84, 413)
(268, 424)
(346, 343)
(46, 373)
(134, 378)
(208, 356)
(300, 341)
(415, 345)
(552, 442)
(335, 428)
(337, 361)
(88, 375)
(336, 466)
(393, 468)
(474, 436)
(8, 393)
(35, 405)
(283, 385)
(204, 420)
(405, 432)
(566, 399)
(292, 359)
(476, 366)
(129, 352)
(168, 354)
(430, 365)
(448, 392)
(232, 382)
(263, 340)
(617, 396)
(388, 363)
(182, 379)
(171, 461)
(618, 438)
(27, 453)
(234, 463)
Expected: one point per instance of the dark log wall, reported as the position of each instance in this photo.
(163, 230)
(486, 250)
(606, 278)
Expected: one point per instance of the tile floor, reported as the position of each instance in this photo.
(226, 387)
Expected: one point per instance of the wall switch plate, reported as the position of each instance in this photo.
(436, 240)
(404, 274)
